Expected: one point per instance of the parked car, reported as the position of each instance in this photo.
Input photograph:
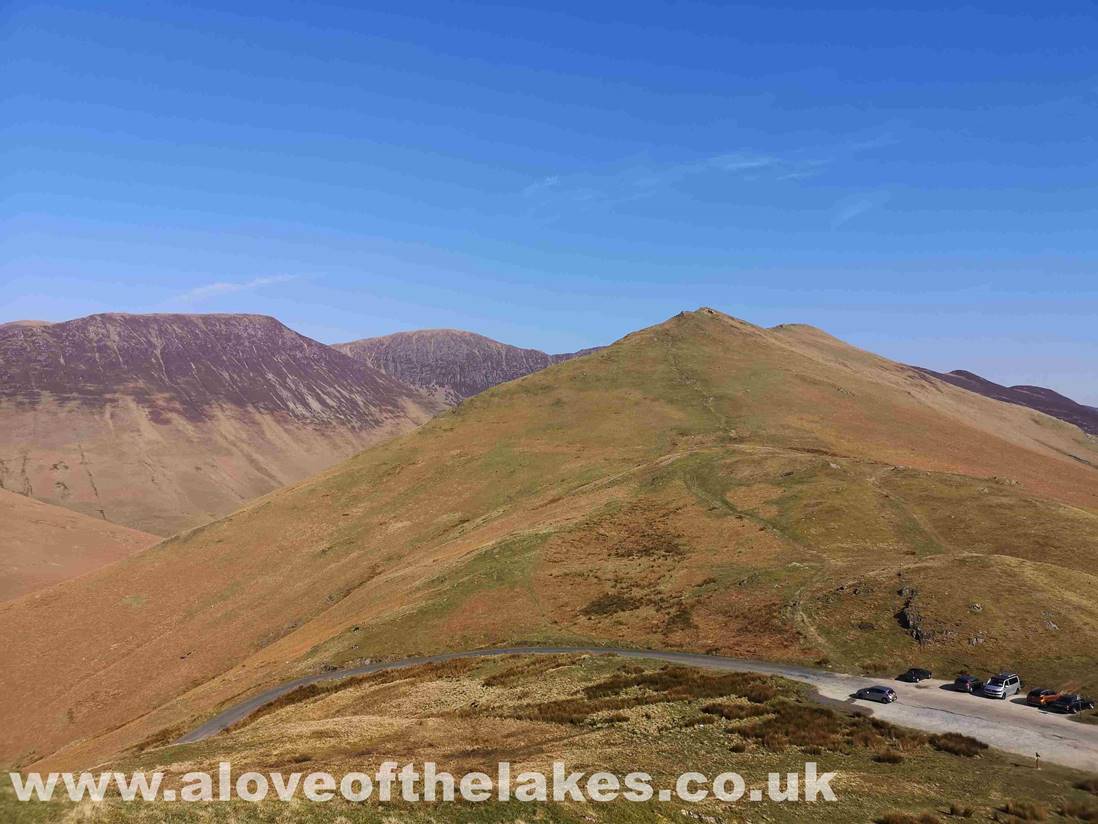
(1071, 703)
(915, 675)
(1040, 697)
(1003, 685)
(885, 695)
(967, 683)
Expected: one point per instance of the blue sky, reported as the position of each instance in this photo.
(918, 178)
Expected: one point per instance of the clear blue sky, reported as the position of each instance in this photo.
(917, 178)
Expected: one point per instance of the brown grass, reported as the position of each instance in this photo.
(424, 542)
(1026, 810)
(889, 757)
(1090, 785)
(957, 744)
(1079, 810)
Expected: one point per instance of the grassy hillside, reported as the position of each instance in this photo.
(42, 544)
(704, 484)
(596, 713)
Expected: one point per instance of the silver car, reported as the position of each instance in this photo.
(886, 695)
(1003, 685)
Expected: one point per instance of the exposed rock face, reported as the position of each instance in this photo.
(448, 363)
(162, 422)
(1035, 397)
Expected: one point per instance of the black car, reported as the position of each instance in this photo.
(915, 675)
(967, 683)
(1071, 703)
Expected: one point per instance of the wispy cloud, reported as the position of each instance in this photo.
(740, 161)
(214, 290)
(613, 186)
(541, 185)
(851, 207)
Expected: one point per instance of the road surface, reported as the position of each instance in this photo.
(927, 706)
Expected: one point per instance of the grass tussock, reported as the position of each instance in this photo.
(1079, 810)
(1089, 785)
(907, 818)
(822, 729)
(735, 712)
(961, 810)
(889, 757)
(1026, 810)
(957, 744)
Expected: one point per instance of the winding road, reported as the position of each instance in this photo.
(927, 706)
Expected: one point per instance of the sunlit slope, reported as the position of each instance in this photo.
(704, 484)
(42, 544)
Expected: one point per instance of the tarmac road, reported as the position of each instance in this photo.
(926, 706)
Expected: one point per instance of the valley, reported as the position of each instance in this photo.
(704, 485)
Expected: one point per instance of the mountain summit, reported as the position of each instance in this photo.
(161, 422)
(448, 363)
(704, 484)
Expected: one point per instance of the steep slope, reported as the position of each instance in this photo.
(162, 422)
(1035, 397)
(450, 364)
(41, 545)
(704, 484)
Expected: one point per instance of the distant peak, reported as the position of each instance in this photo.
(972, 376)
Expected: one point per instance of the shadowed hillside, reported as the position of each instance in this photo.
(163, 422)
(450, 364)
(704, 484)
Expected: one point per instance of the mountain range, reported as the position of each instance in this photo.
(703, 484)
(164, 422)
(1035, 397)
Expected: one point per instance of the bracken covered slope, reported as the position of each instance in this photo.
(162, 422)
(704, 484)
(448, 363)
(41, 545)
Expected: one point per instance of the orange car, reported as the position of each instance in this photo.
(1039, 698)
